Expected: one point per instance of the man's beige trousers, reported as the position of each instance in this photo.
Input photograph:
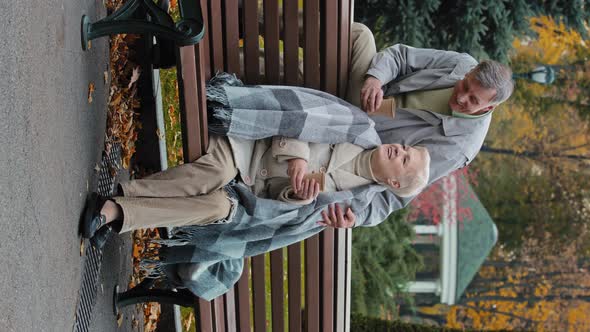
(188, 194)
(363, 51)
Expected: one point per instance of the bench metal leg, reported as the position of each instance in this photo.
(188, 31)
(142, 293)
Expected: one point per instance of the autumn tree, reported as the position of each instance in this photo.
(537, 288)
(533, 165)
(484, 29)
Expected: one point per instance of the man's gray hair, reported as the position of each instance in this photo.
(416, 179)
(494, 75)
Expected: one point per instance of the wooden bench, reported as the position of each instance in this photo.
(324, 41)
(325, 45)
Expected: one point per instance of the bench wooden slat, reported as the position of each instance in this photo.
(340, 278)
(277, 289)
(312, 284)
(204, 319)
(327, 266)
(259, 293)
(344, 46)
(291, 42)
(271, 41)
(348, 281)
(218, 308)
(294, 280)
(232, 36)
(216, 35)
(230, 310)
(311, 49)
(330, 40)
(189, 83)
(251, 44)
(242, 289)
(205, 42)
(202, 95)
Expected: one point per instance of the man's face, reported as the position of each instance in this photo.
(469, 97)
(390, 162)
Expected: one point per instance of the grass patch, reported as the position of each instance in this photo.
(171, 105)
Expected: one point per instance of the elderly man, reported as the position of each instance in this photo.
(441, 100)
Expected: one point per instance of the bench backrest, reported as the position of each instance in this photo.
(324, 39)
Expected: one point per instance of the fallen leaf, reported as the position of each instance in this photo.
(136, 251)
(159, 134)
(90, 92)
(116, 100)
(134, 323)
(134, 76)
(119, 319)
(107, 148)
(188, 321)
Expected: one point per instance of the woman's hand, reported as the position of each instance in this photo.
(334, 217)
(310, 190)
(297, 168)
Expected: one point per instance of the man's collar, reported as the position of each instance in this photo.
(470, 116)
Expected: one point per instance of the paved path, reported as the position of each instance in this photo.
(50, 141)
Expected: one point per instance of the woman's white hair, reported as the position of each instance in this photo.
(415, 180)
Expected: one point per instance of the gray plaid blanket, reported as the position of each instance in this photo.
(255, 112)
(208, 260)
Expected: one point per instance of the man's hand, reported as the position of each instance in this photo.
(296, 170)
(334, 217)
(371, 95)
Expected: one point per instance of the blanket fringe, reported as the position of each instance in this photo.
(152, 268)
(219, 120)
(218, 104)
(222, 78)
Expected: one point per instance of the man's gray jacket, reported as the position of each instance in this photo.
(452, 142)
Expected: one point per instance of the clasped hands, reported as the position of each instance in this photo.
(304, 189)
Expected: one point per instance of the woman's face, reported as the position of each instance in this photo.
(391, 162)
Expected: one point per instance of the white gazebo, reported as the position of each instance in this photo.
(462, 245)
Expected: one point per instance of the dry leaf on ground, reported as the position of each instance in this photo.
(188, 321)
(90, 92)
(119, 319)
(134, 322)
(159, 134)
(134, 76)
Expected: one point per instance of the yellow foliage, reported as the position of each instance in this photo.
(436, 309)
(555, 42)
